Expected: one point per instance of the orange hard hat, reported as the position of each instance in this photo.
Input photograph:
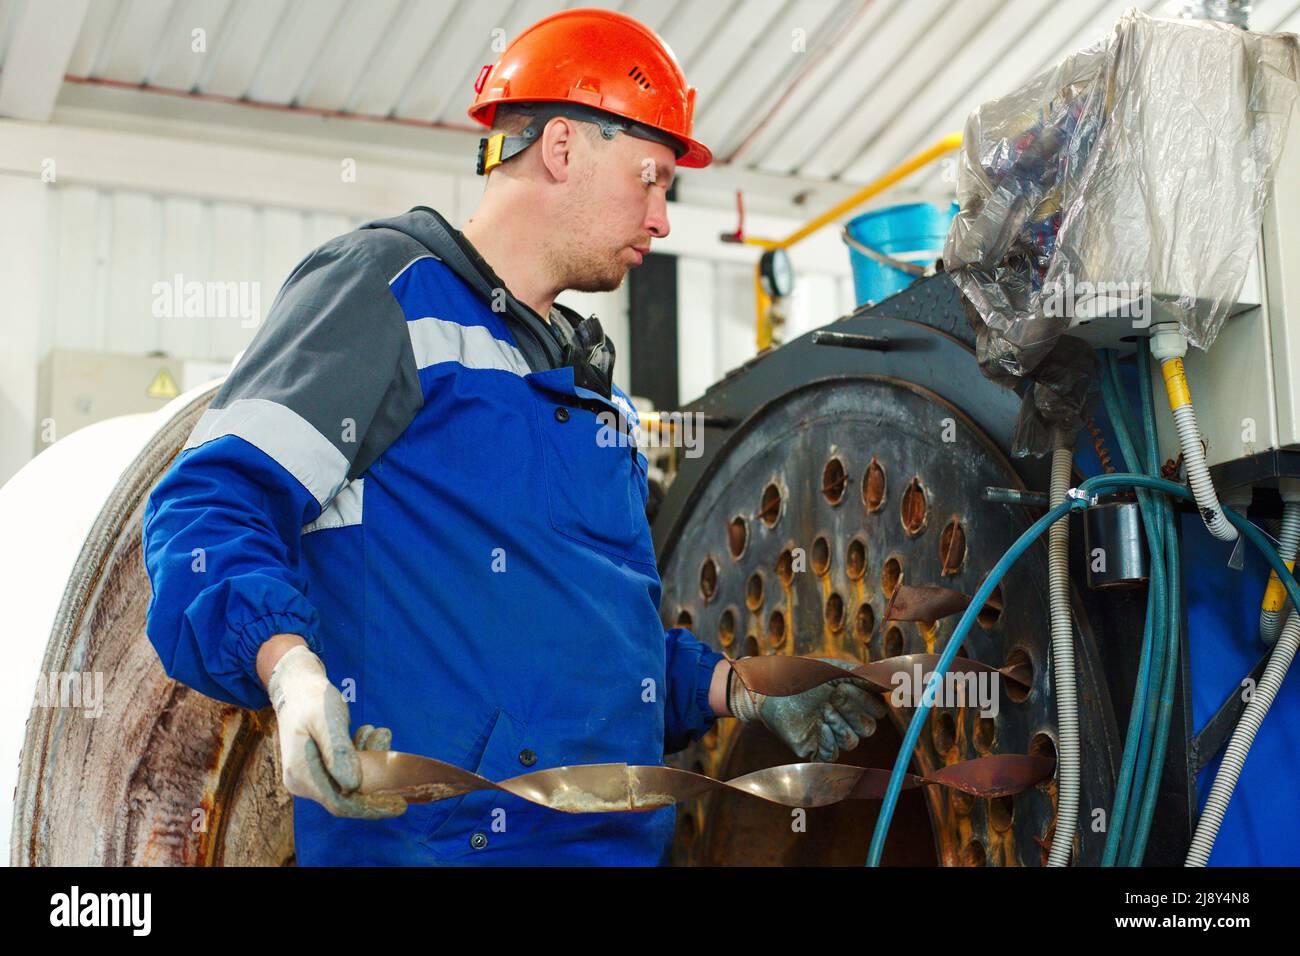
(600, 60)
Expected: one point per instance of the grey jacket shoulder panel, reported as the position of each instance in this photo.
(334, 351)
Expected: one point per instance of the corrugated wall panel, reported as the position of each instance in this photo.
(133, 269)
(696, 345)
(75, 314)
(733, 316)
(120, 254)
(236, 254)
(185, 243)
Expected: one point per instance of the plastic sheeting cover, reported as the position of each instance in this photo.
(1139, 165)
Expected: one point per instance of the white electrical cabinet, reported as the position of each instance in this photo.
(1246, 387)
(77, 388)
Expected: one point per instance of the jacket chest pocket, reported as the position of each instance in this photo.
(595, 481)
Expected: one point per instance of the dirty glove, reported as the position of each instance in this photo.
(818, 723)
(319, 759)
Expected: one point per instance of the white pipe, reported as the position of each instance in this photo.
(1169, 346)
(1274, 604)
(1234, 756)
(1067, 708)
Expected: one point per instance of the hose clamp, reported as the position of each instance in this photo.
(1078, 494)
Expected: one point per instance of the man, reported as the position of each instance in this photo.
(400, 484)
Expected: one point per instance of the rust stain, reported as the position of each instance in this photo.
(914, 508)
(873, 486)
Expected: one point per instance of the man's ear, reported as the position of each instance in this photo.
(556, 147)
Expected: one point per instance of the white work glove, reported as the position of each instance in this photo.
(319, 758)
(818, 723)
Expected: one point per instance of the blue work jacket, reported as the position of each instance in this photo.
(384, 475)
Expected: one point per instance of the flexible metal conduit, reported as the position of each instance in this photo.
(1234, 757)
(1169, 346)
(1288, 542)
(1067, 709)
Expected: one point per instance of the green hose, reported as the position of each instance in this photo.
(1082, 497)
(1153, 516)
(1157, 709)
(1173, 571)
(1121, 827)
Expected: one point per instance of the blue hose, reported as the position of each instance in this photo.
(1143, 691)
(1089, 488)
(1134, 773)
(1160, 742)
(1173, 573)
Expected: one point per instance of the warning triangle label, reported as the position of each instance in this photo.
(163, 385)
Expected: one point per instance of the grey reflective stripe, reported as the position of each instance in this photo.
(473, 346)
(282, 434)
(397, 275)
(343, 511)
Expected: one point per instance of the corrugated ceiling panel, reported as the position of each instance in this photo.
(946, 88)
(653, 13)
(134, 35)
(246, 38)
(742, 81)
(868, 64)
(340, 67)
(730, 58)
(176, 63)
(96, 30)
(781, 65)
(692, 24)
(296, 50)
(1031, 57)
(451, 59)
(890, 98)
(1003, 74)
(877, 81)
(415, 29)
(1274, 16)
(830, 49)
(8, 20)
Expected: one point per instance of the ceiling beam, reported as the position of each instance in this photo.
(444, 150)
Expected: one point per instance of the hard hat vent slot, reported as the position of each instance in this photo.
(640, 78)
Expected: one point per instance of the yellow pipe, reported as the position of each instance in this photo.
(877, 186)
(873, 188)
(764, 302)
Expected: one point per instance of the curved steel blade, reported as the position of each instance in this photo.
(602, 788)
(924, 602)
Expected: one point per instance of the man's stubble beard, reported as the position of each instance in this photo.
(588, 269)
(581, 266)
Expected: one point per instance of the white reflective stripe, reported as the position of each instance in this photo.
(627, 408)
(344, 510)
(473, 346)
(398, 274)
(283, 434)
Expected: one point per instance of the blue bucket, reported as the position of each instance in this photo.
(913, 232)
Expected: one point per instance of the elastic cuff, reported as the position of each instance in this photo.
(251, 635)
(704, 680)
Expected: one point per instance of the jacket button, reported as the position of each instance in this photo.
(561, 414)
(527, 758)
(478, 841)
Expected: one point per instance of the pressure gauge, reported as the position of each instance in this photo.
(776, 273)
